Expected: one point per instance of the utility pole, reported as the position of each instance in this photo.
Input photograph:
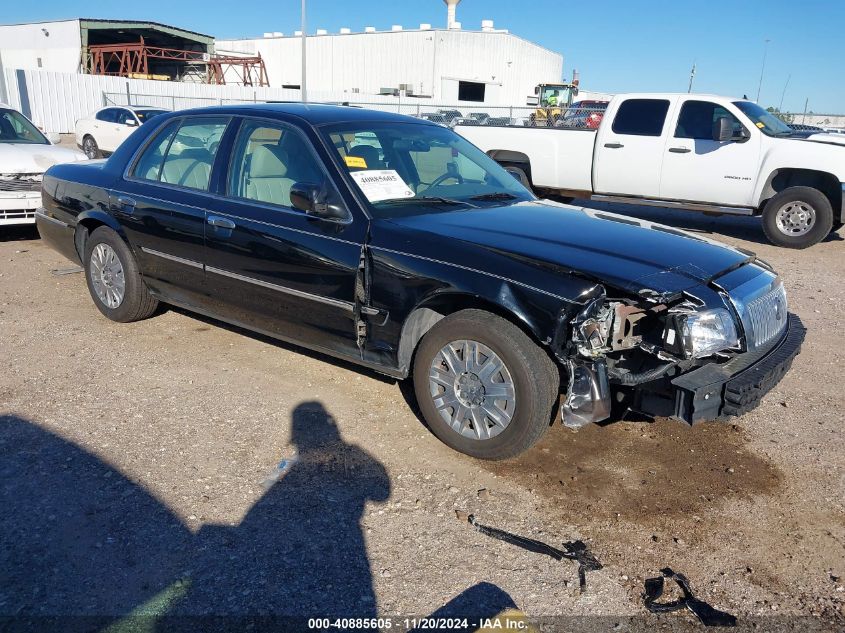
(4, 97)
(804, 118)
(302, 87)
(763, 69)
(691, 77)
(783, 94)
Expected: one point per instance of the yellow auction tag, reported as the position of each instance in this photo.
(761, 125)
(355, 161)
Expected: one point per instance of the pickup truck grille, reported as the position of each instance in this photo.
(767, 316)
(20, 182)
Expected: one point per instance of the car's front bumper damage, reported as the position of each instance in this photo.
(719, 391)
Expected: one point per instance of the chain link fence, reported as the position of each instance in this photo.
(582, 115)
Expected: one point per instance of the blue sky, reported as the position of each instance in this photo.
(617, 45)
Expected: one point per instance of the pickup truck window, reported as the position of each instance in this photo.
(697, 117)
(430, 168)
(765, 121)
(641, 117)
(269, 159)
(183, 157)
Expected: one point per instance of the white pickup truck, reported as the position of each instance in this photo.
(697, 152)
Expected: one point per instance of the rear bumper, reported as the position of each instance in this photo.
(58, 235)
(721, 391)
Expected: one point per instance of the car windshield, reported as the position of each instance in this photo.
(408, 168)
(767, 122)
(146, 115)
(16, 128)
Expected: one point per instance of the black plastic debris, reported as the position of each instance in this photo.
(572, 550)
(707, 615)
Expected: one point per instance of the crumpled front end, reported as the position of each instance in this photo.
(20, 196)
(707, 353)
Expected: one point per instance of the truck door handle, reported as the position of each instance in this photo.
(614, 145)
(223, 223)
(125, 204)
(680, 150)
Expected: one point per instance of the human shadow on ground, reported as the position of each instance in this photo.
(84, 548)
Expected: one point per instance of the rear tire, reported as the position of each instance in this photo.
(522, 171)
(114, 280)
(90, 147)
(469, 419)
(797, 217)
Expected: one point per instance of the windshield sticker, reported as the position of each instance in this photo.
(761, 124)
(382, 184)
(355, 162)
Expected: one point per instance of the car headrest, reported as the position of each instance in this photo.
(268, 161)
(368, 153)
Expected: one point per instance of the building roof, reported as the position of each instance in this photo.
(136, 24)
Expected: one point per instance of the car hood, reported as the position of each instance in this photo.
(624, 252)
(25, 158)
(836, 139)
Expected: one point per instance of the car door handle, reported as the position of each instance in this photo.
(223, 223)
(614, 145)
(680, 150)
(125, 204)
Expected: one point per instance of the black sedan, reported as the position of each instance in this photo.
(396, 244)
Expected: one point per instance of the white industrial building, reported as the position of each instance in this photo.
(449, 65)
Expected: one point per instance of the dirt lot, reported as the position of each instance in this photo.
(140, 471)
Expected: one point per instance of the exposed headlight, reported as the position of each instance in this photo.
(708, 332)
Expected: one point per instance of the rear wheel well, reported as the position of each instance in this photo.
(508, 157)
(425, 315)
(825, 182)
(84, 228)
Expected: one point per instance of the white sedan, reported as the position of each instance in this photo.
(25, 154)
(102, 133)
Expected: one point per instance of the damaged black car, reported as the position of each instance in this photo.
(396, 244)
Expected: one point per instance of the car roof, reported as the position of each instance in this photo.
(134, 107)
(314, 113)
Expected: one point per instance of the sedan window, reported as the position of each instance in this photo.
(268, 161)
(109, 115)
(16, 128)
(185, 156)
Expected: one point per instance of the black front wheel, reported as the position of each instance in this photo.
(90, 147)
(483, 386)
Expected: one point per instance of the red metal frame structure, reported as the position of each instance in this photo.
(133, 58)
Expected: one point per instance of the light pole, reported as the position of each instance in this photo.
(783, 94)
(691, 77)
(762, 70)
(303, 89)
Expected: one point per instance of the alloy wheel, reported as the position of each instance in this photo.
(107, 275)
(472, 389)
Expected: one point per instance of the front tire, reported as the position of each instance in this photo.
(484, 387)
(90, 147)
(114, 280)
(797, 217)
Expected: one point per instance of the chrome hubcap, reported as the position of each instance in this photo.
(796, 218)
(107, 275)
(472, 389)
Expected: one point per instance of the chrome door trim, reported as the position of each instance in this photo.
(337, 303)
(173, 258)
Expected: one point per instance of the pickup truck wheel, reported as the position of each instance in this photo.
(113, 278)
(522, 172)
(90, 147)
(484, 387)
(797, 217)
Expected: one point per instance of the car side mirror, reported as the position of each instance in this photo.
(723, 129)
(131, 123)
(314, 200)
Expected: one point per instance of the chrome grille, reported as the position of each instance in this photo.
(767, 315)
(23, 182)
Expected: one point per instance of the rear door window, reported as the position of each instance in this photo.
(183, 156)
(109, 115)
(641, 117)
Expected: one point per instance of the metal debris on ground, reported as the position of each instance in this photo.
(572, 550)
(66, 271)
(707, 615)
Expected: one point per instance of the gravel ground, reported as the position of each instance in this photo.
(143, 471)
